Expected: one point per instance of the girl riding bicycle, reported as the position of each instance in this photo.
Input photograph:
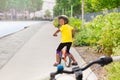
(66, 38)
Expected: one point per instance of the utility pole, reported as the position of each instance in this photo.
(82, 14)
(63, 11)
(71, 10)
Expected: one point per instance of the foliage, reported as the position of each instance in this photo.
(76, 6)
(36, 5)
(31, 5)
(110, 36)
(55, 22)
(76, 23)
(99, 5)
(64, 6)
(61, 7)
(113, 71)
(2, 6)
(47, 13)
(103, 31)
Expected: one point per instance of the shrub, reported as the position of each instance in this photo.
(75, 22)
(55, 22)
(103, 31)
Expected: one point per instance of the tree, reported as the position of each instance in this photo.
(82, 14)
(76, 6)
(3, 4)
(22, 6)
(99, 5)
(47, 13)
(31, 5)
(64, 7)
(36, 5)
(57, 10)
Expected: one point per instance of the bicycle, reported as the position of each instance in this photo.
(78, 71)
(65, 57)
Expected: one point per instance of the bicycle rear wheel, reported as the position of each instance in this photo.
(68, 61)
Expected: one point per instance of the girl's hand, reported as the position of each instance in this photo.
(54, 34)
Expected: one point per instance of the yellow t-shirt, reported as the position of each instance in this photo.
(66, 35)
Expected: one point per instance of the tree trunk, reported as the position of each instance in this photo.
(82, 14)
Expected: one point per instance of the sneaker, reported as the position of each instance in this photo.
(55, 64)
(75, 63)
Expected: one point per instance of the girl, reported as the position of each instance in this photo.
(66, 38)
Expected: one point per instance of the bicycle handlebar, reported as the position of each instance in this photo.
(116, 58)
(78, 71)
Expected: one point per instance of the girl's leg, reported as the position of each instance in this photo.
(73, 59)
(57, 58)
(58, 51)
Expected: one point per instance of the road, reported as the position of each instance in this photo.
(34, 61)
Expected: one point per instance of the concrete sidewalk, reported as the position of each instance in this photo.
(35, 59)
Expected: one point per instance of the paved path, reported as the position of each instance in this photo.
(35, 59)
(12, 43)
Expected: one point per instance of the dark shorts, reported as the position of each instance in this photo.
(62, 45)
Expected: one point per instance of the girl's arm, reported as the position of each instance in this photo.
(55, 34)
(73, 32)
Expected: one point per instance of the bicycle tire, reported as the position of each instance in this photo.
(68, 61)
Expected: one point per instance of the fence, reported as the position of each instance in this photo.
(90, 16)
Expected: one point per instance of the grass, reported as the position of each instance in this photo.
(114, 71)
